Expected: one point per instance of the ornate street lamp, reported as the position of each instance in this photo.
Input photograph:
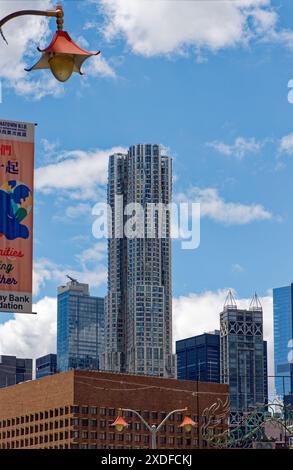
(120, 424)
(187, 424)
(62, 56)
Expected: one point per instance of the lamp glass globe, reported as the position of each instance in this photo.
(61, 66)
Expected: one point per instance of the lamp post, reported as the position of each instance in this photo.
(120, 423)
(62, 56)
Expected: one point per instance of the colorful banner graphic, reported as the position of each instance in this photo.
(16, 216)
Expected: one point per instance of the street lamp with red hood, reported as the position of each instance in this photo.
(63, 57)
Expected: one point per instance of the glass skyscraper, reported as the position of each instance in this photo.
(198, 358)
(80, 327)
(243, 357)
(138, 306)
(283, 334)
(14, 370)
(46, 365)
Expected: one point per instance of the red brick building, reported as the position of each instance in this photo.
(76, 410)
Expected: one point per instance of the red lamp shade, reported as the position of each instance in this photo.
(62, 56)
(187, 424)
(120, 424)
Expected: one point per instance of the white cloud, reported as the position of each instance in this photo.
(46, 271)
(49, 148)
(78, 172)
(94, 254)
(213, 206)
(23, 36)
(92, 272)
(240, 148)
(237, 268)
(286, 144)
(195, 314)
(165, 27)
(99, 67)
(31, 335)
(79, 210)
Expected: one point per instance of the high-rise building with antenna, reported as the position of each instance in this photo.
(243, 356)
(80, 327)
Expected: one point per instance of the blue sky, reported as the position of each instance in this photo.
(217, 99)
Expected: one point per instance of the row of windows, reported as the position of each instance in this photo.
(84, 410)
(57, 412)
(83, 422)
(92, 435)
(37, 440)
(35, 429)
(36, 417)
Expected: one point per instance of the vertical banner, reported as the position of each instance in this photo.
(16, 216)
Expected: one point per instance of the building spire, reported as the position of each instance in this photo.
(230, 302)
(255, 304)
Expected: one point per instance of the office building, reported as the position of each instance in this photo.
(138, 306)
(243, 356)
(266, 372)
(76, 410)
(198, 358)
(14, 370)
(80, 326)
(46, 365)
(283, 342)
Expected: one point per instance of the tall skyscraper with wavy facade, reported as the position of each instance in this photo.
(138, 306)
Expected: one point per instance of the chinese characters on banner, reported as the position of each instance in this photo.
(16, 216)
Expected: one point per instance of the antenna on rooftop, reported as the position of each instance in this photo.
(255, 304)
(71, 278)
(230, 302)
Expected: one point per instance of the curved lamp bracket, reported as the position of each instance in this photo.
(58, 14)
